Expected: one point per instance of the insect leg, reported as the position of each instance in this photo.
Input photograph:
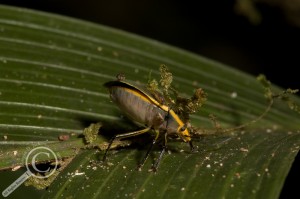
(148, 152)
(124, 135)
(193, 149)
(164, 147)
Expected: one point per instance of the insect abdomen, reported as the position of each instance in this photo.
(135, 105)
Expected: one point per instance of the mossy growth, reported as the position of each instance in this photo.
(165, 93)
(285, 95)
(41, 183)
(91, 133)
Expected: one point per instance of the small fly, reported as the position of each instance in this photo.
(144, 109)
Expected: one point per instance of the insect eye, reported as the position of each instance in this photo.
(183, 128)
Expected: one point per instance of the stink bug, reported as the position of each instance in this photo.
(144, 109)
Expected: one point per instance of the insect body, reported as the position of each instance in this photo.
(143, 109)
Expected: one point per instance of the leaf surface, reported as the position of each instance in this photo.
(52, 69)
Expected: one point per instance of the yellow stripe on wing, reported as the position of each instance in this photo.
(146, 97)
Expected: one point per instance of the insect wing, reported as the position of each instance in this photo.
(136, 88)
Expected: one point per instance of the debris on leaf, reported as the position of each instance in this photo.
(91, 133)
(120, 77)
(40, 182)
(267, 86)
(284, 95)
(170, 96)
(166, 78)
(187, 106)
(63, 137)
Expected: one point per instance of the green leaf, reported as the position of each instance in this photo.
(52, 69)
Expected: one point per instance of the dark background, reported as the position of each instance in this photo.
(213, 28)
